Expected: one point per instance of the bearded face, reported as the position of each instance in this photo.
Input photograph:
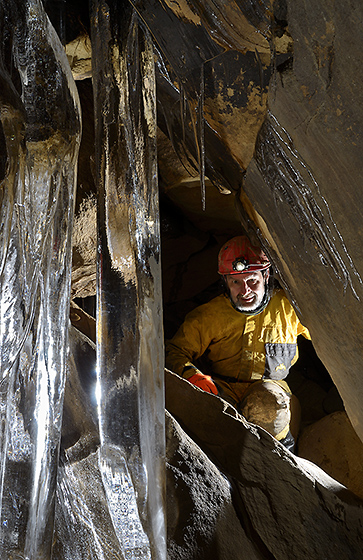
(247, 289)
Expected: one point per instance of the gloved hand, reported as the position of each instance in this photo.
(204, 382)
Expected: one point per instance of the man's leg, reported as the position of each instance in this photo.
(267, 403)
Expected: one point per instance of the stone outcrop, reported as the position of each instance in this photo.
(288, 506)
(203, 523)
(332, 444)
(303, 185)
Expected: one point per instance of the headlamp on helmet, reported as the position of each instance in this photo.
(240, 264)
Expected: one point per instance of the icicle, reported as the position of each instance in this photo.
(201, 140)
(129, 323)
(176, 128)
(273, 58)
(35, 280)
(260, 67)
(183, 109)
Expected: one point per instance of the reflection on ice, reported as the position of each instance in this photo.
(98, 394)
(110, 503)
(19, 446)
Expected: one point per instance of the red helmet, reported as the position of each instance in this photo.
(238, 255)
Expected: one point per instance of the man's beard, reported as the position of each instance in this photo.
(240, 305)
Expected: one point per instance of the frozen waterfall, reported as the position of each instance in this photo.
(110, 502)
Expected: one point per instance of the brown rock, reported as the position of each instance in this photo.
(306, 202)
(291, 507)
(84, 250)
(202, 521)
(333, 444)
(79, 54)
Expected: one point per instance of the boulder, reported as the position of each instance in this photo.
(333, 444)
(290, 507)
(202, 521)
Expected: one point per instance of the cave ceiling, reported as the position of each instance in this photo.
(261, 129)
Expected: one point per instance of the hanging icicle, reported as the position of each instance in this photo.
(201, 140)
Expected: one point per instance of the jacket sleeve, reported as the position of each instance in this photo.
(298, 328)
(303, 330)
(187, 345)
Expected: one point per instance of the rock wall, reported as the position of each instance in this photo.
(305, 185)
(300, 191)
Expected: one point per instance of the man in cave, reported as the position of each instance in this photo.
(241, 344)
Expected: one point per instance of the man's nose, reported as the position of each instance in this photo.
(244, 288)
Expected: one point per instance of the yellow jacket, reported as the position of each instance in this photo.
(238, 347)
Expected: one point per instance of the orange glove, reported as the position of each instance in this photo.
(204, 382)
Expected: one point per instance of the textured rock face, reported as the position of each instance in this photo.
(332, 444)
(202, 520)
(84, 250)
(288, 507)
(304, 186)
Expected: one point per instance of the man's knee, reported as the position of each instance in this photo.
(267, 404)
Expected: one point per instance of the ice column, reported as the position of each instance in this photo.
(129, 315)
(40, 133)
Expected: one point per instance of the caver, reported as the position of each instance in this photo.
(245, 339)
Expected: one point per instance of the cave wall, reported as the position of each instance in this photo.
(305, 184)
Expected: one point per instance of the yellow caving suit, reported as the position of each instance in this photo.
(239, 349)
